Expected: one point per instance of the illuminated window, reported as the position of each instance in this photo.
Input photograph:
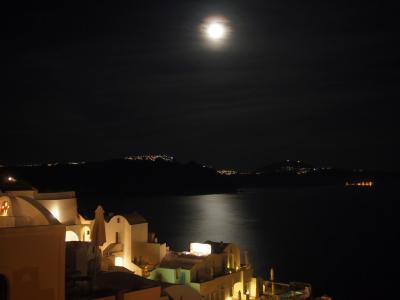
(119, 261)
(5, 206)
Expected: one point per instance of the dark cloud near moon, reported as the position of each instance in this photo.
(315, 81)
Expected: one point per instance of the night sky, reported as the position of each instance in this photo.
(309, 80)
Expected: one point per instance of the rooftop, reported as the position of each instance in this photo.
(217, 247)
(132, 218)
(184, 260)
(123, 281)
(135, 218)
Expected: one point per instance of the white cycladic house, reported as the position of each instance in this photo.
(128, 242)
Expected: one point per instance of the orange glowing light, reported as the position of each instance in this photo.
(360, 183)
(4, 208)
(11, 179)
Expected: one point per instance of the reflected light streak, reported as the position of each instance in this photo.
(56, 213)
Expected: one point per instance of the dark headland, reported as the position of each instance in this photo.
(162, 176)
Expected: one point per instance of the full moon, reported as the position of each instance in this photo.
(215, 31)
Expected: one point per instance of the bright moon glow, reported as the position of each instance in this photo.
(216, 31)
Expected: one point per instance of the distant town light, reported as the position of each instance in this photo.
(119, 261)
(200, 249)
(76, 163)
(150, 157)
(52, 164)
(11, 179)
(360, 183)
(227, 172)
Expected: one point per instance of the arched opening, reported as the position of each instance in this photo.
(3, 287)
(71, 236)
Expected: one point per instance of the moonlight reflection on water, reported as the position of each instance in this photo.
(306, 234)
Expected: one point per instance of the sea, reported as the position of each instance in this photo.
(342, 240)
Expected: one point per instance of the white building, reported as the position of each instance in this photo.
(130, 245)
(128, 242)
(213, 269)
(32, 250)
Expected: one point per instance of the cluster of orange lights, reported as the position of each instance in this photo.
(361, 183)
(151, 157)
(227, 172)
